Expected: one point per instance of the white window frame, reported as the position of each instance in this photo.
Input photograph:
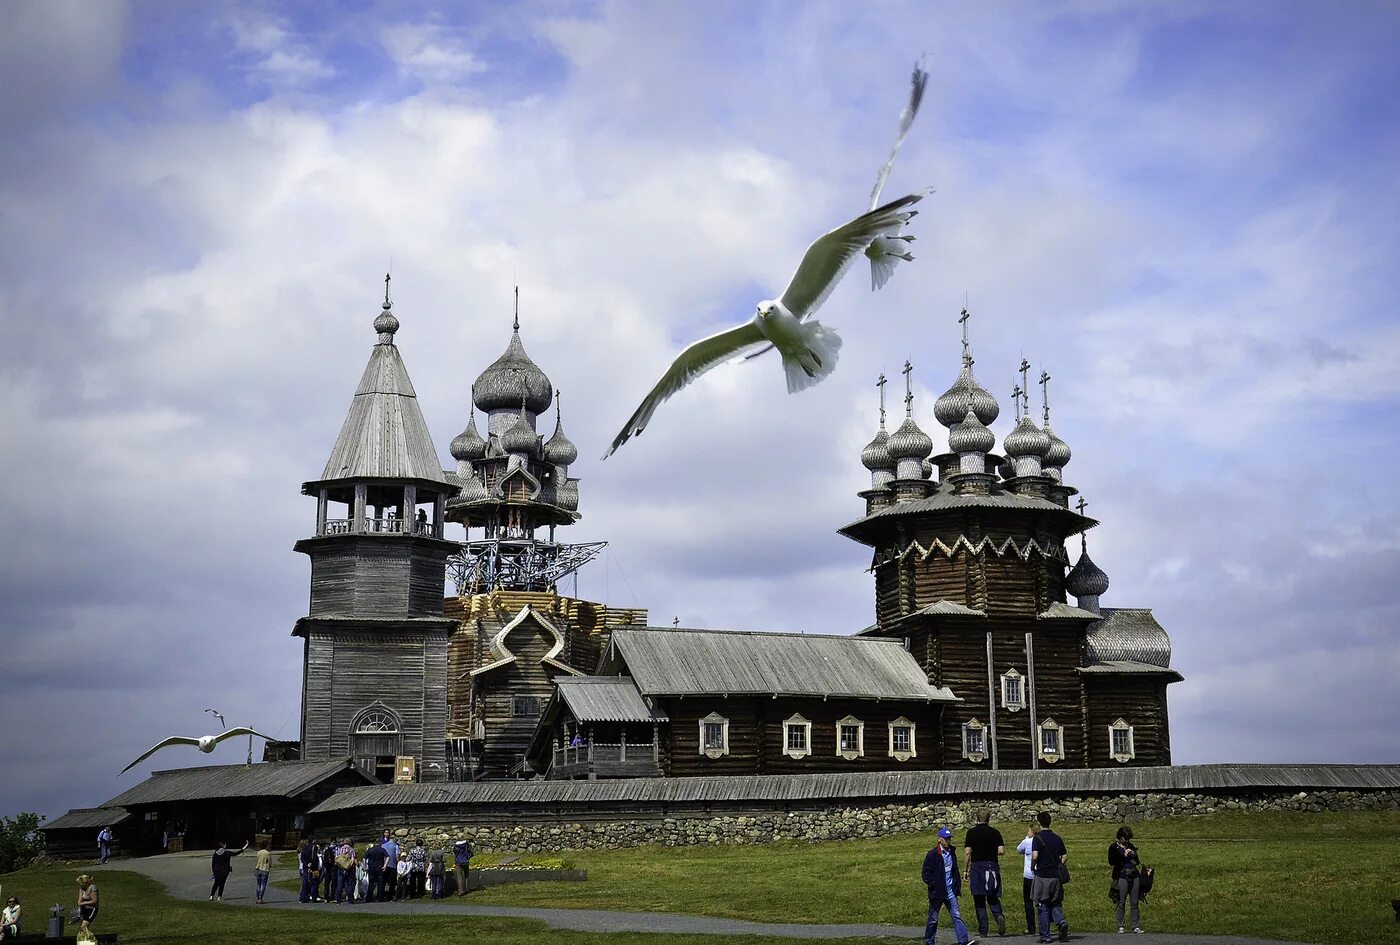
(1121, 726)
(902, 754)
(798, 722)
(846, 753)
(1007, 702)
(714, 718)
(1050, 757)
(976, 757)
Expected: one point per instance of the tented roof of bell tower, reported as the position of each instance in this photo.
(384, 435)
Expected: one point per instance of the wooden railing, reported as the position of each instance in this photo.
(608, 760)
(376, 526)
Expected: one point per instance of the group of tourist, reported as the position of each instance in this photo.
(1044, 875)
(382, 872)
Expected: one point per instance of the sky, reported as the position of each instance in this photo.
(1185, 212)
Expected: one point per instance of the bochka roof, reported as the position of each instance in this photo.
(384, 434)
(675, 662)
(266, 779)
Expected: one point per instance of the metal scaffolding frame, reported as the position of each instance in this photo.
(524, 564)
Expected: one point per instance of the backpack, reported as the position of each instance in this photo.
(1145, 882)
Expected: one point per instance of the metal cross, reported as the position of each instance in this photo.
(1083, 541)
(962, 320)
(517, 308)
(881, 385)
(1081, 505)
(908, 390)
(1016, 400)
(1045, 395)
(1025, 385)
(387, 303)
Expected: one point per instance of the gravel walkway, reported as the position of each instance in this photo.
(185, 876)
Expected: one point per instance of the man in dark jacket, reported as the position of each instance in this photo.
(981, 859)
(944, 884)
(309, 862)
(462, 862)
(374, 866)
(1048, 854)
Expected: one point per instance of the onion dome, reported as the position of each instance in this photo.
(971, 436)
(520, 438)
(1086, 579)
(909, 442)
(1026, 439)
(386, 323)
(511, 378)
(928, 470)
(1058, 454)
(560, 450)
(876, 454)
(951, 408)
(468, 446)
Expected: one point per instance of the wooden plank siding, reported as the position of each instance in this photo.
(380, 576)
(1138, 700)
(756, 742)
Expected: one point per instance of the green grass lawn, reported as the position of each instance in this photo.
(1322, 878)
(1325, 878)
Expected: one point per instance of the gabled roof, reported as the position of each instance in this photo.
(267, 779)
(607, 699)
(90, 818)
(676, 662)
(1130, 634)
(384, 434)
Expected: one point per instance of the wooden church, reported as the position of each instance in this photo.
(975, 659)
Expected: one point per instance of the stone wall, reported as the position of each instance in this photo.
(852, 822)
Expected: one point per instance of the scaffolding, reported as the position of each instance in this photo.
(522, 564)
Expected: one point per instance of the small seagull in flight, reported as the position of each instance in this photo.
(886, 251)
(809, 349)
(204, 743)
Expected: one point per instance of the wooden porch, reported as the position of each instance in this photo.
(593, 760)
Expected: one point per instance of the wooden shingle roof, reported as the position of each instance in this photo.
(267, 779)
(90, 818)
(680, 662)
(606, 699)
(1128, 634)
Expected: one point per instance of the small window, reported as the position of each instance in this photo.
(797, 737)
(1013, 691)
(974, 741)
(902, 739)
(1051, 741)
(525, 707)
(1120, 742)
(714, 736)
(850, 738)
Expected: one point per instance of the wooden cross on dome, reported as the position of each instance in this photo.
(881, 385)
(1081, 505)
(1045, 396)
(1016, 401)
(908, 390)
(1025, 386)
(962, 320)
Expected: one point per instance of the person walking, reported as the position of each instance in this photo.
(220, 867)
(261, 868)
(462, 863)
(374, 865)
(982, 868)
(104, 844)
(1027, 877)
(1048, 853)
(309, 864)
(940, 875)
(1127, 876)
(391, 865)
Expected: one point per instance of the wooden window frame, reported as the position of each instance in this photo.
(972, 725)
(797, 722)
(1050, 757)
(714, 718)
(1121, 725)
(903, 754)
(1006, 703)
(859, 726)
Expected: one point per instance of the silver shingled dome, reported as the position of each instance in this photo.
(1058, 454)
(468, 446)
(876, 454)
(513, 376)
(909, 442)
(520, 438)
(950, 408)
(1026, 439)
(1086, 578)
(971, 436)
(560, 450)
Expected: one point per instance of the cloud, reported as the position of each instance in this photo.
(188, 292)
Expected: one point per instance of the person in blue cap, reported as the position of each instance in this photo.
(944, 883)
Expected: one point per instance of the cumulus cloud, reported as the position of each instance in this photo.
(184, 334)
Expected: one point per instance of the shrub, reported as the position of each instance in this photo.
(20, 841)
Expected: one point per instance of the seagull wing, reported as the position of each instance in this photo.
(240, 730)
(827, 260)
(172, 740)
(906, 120)
(693, 361)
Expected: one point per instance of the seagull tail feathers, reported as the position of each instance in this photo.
(814, 359)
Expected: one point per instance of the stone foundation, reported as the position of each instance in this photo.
(856, 822)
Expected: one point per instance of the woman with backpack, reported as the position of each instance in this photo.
(1127, 876)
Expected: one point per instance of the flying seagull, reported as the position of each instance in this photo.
(886, 251)
(809, 349)
(204, 743)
